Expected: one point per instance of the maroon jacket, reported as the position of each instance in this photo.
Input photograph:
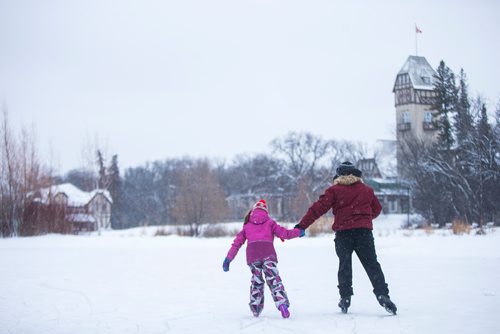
(352, 202)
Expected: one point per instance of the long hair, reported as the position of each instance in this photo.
(247, 217)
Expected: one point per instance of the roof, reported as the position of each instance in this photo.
(369, 167)
(76, 197)
(418, 70)
(387, 187)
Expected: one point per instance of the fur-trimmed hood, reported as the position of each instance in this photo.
(347, 180)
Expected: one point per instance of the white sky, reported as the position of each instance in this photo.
(159, 79)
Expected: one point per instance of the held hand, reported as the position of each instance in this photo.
(302, 232)
(225, 264)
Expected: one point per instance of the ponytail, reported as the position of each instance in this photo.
(247, 217)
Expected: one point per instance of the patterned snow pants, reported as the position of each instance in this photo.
(273, 279)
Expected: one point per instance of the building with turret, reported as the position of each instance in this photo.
(414, 96)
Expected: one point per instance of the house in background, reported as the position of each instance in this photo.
(392, 194)
(83, 211)
(381, 174)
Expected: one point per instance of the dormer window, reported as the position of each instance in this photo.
(426, 80)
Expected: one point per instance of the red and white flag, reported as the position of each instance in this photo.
(418, 31)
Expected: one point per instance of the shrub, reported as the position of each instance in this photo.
(459, 227)
(161, 231)
(217, 231)
(428, 229)
(321, 226)
(182, 231)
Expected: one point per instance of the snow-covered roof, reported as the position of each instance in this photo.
(384, 181)
(420, 71)
(392, 192)
(76, 197)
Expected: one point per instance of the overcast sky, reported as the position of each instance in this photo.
(158, 79)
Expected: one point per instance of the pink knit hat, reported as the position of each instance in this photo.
(261, 205)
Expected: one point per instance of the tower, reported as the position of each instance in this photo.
(414, 96)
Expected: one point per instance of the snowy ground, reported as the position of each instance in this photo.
(130, 282)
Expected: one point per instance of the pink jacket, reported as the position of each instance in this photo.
(260, 231)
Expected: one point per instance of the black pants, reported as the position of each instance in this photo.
(361, 241)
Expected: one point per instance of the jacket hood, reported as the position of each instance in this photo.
(258, 216)
(347, 180)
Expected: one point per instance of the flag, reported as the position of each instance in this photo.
(418, 31)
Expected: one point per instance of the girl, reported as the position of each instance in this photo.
(259, 229)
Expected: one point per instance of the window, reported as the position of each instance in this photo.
(405, 117)
(393, 206)
(426, 80)
(428, 117)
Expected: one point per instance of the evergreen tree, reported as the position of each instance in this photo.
(496, 131)
(464, 124)
(143, 205)
(445, 105)
(102, 181)
(484, 129)
(458, 178)
(81, 178)
(463, 163)
(487, 172)
(115, 188)
(483, 133)
(497, 121)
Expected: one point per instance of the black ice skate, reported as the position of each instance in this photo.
(387, 303)
(344, 304)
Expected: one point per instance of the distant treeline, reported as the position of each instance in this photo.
(197, 191)
(456, 178)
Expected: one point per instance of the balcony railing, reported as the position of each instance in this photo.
(429, 126)
(404, 126)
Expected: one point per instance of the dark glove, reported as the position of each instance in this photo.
(302, 231)
(299, 227)
(225, 264)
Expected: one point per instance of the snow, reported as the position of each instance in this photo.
(418, 68)
(130, 282)
(76, 197)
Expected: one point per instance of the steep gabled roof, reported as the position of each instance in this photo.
(420, 71)
(76, 197)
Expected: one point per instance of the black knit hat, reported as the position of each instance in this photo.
(347, 168)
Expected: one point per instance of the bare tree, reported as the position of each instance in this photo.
(20, 173)
(7, 168)
(309, 164)
(94, 154)
(200, 199)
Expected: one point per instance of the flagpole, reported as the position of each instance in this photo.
(416, 44)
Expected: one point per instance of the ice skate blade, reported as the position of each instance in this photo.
(393, 312)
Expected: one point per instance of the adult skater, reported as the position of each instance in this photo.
(354, 205)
